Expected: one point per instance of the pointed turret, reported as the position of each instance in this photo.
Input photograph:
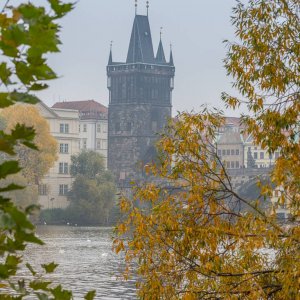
(171, 61)
(110, 61)
(140, 47)
(160, 56)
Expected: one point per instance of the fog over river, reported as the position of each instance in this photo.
(85, 260)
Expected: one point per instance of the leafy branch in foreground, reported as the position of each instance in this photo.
(189, 233)
(185, 229)
(27, 34)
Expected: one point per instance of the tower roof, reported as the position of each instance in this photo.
(110, 61)
(171, 60)
(140, 47)
(160, 56)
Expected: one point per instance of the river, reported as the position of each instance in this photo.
(85, 260)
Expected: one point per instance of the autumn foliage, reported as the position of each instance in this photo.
(34, 164)
(186, 231)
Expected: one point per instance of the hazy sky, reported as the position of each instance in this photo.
(196, 28)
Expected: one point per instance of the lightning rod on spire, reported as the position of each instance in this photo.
(136, 5)
(160, 33)
(147, 6)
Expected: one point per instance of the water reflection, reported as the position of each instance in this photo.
(85, 260)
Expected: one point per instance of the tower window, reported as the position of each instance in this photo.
(128, 126)
(118, 126)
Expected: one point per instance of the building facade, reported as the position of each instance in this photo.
(93, 125)
(64, 124)
(140, 101)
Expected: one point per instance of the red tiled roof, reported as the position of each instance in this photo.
(88, 109)
(82, 106)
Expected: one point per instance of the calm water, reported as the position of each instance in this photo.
(85, 260)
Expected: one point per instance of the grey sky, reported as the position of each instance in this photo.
(196, 28)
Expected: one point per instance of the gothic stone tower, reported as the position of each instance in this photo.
(140, 101)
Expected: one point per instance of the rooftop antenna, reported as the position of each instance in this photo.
(136, 5)
(147, 6)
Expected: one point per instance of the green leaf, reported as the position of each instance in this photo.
(60, 8)
(8, 168)
(50, 268)
(90, 295)
(6, 221)
(60, 294)
(5, 74)
(38, 87)
(11, 187)
(40, 285)
(5, 100)
(24, 98)
(24, 72)
(30, 268)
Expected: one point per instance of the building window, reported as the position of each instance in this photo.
(219, 152)
(63, 189)
(223, 152)
(128, 126)
(228, 164)
(232, 151)
(84, 144)
(84, 128)
(104, 144)
(232, 165)
(63, 148)
(79, 127)
(43, 190)
(237, 164)
(237, 152)
(98, 144)
(63, 168)
(255, 155)
(154, 126)
(64, 128)
(104, 128)
(228, 152)
(98, 127)
(262, 155)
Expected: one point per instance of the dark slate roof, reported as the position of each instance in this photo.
(160, 56)
(110, 61)
(140, 47)
(171, 61)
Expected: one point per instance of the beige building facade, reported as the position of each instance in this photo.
(64, 126)
(93, 125)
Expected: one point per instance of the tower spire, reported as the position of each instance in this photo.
(171, 61)
(160, 56)
(110, 53)
(147, 6)
(136, 5)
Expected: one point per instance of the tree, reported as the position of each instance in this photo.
(27, 34)
(93, 191)
(87, 163)
(25, 197)
(34, 164)
(192, 242)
